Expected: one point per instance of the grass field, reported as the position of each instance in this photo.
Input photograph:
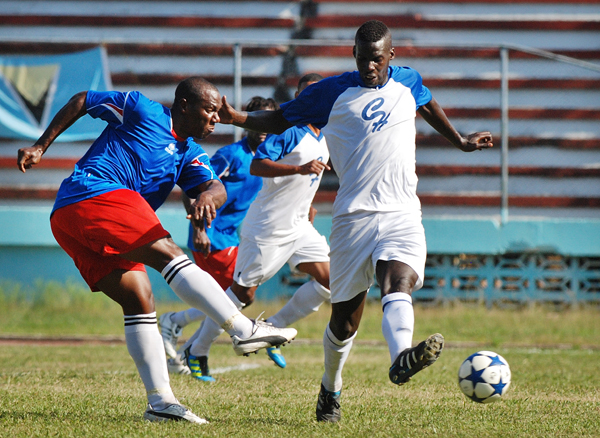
(92, 389)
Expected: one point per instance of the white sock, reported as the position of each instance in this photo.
(144, 344)
(209, 331)
(398, 322)
(306, 300)
(188, 316)
(336, 353)
(198, 289)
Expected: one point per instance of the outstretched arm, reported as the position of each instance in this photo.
(271, 169)
(259, 121)
(66, 116)
(434, 115)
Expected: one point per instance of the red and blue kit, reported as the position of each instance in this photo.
(106, 206)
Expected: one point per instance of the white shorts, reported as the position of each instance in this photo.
(256, 263)
(359, 240)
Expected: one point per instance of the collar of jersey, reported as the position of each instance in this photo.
(178, 138)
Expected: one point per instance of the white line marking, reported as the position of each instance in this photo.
(242, 367)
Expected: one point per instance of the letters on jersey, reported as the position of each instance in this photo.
(371, 136)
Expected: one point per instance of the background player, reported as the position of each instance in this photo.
(277, 230)
(215, 249)
(104, 219)
(368, 117)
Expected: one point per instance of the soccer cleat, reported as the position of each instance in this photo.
(264, 335)
(328, 406)
(172, 413)
(170, 333)
(275, 355)
(198, 366)
(412, 360)
(177, 365)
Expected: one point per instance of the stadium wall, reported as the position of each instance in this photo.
(470, 259)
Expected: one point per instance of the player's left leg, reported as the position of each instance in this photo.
(400, 267)
(196, 354)
(220, 265)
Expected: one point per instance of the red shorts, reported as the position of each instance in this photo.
(95, 231)
(219, 264)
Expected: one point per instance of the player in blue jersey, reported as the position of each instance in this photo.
(368, 117)
(104, 219)
(277, 230)
(215, 249)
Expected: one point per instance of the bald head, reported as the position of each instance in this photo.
(195, 109)
(193, 90)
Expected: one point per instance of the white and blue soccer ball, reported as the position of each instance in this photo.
(484, 377)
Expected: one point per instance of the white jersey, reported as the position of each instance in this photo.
(371, 137)
(279, 214)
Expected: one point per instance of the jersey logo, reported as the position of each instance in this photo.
(170, 149)
(370, 113)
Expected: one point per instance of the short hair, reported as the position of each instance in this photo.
(371, 32)
(192, 89)
(310, 77)
(260, 103)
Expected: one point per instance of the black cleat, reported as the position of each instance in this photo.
(412, 360)
(328, 406)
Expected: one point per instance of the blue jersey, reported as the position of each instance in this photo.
(370, 133)
(138, 151)
(232, 165)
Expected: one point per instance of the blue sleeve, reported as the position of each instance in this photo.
(412, 79)
(314, 104)
(276, 147)
(195, 171)
(111, 106)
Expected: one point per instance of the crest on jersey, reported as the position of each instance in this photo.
(370, 112)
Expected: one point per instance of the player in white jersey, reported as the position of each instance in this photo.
(277, 230)
(368, 117)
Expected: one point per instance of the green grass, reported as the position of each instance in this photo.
(89, 389)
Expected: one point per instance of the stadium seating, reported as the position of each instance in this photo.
(554, 107)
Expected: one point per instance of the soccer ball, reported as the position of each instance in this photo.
(484, 377)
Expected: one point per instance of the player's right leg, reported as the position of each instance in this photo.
(220, 265)
(352, 240)
(190, 283)
(337, 343)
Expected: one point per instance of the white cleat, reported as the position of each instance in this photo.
(170, 333)
(172, 413)
(177, 365)
(264, 335)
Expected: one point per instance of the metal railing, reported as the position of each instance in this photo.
(239, 46)
(504, 86)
